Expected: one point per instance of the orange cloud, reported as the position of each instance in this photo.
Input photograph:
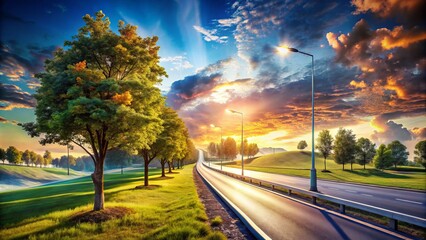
(356, 84)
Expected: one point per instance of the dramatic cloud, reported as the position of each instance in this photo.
(197, 85)
(11, 96)
(21, 64)
(391, 131)
(299, 23)
(412, 11)
(419, 133)
(210, 35)
(5, 121)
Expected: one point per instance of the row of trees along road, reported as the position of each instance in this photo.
(100, 92)
(347, 149)
(30, 158)
(229, 149)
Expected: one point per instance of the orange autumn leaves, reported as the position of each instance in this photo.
(125, 98)
(80, 66)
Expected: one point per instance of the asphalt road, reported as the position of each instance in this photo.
(403, 201)
(282, 218)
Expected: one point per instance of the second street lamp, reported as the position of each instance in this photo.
(242, 138)
(313, 185)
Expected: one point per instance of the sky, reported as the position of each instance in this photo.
(370, 62)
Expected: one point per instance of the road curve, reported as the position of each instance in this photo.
(283, 218)
(403, 201)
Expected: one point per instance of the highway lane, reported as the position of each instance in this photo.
(408, 202)
(282, 218)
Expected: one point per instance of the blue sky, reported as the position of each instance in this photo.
(370, 63)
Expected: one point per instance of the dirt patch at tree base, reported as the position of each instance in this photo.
(149, 187)
(101, 215)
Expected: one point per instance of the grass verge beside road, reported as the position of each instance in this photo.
(169, 210)
(296, 163)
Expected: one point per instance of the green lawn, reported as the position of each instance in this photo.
(171, 211)
(298, 163)
(36, 173)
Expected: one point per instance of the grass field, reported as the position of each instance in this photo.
(171, 210)
(298, 163)
(13, 177)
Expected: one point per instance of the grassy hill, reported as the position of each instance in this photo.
(298, 163)
(21, 176)
(170, 209)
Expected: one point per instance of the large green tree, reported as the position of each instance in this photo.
(383, 156)
(99, 92)
(325, 145)
(13, 155)
(365, 151)
(420, 152)
(399, 153)
(344, 147)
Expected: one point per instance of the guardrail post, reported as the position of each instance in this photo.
(289, 192)
(393, 224)
(342, 208)
(251, 181)
(273, 187)
(260, 183)
(314, 200)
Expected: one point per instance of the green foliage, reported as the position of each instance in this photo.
(212, 149)
(13, 155)
(26, 157)
(383, 157)
(344, 147)
(230, 148)
(399, 154)
(216, 221)
(2, 154)
(325, 145)
(97, 90)
(420, 152)
(302, 145)
(117, 158)
(365, 151)
(253, 149)
(47, 158)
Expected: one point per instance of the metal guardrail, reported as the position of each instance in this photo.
(393, 216)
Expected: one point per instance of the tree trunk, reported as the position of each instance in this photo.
(351, 166)
(343, 165)
(395, 166)
(173, 164)
(325, 163)
(364, 165)
(170, 167)
(98, 182)
(163, 173)
(146, 168)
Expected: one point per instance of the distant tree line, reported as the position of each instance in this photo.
(27, 157)
(346, 149)
(228, 149)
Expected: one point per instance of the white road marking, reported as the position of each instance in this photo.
(409, 201)
(351, 191)
(368, 195)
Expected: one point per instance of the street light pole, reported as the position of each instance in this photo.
(242, 139)
(313, 185)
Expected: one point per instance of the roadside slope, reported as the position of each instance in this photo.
(14, 177)
(297, 163)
